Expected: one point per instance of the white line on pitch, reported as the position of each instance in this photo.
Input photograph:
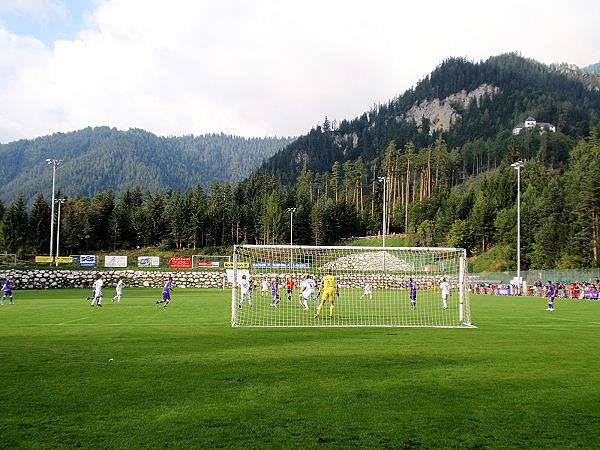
(74, 320)
(573, 320)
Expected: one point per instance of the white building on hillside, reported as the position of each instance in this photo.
(531, 123)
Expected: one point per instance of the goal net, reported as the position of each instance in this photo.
(295, 286)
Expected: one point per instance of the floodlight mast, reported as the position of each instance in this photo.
(59, 201)
(384, 180)
(54, 163)
(517, 165)
(291, 211)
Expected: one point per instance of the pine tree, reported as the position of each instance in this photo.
(16, 227)
(40, 225)
(335, 179)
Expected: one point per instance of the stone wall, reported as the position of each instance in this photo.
(39, 278)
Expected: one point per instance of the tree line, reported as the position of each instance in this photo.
(426, 198)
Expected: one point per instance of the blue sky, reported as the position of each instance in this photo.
(46, 20)
(253, 67)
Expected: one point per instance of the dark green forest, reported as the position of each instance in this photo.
(96, 158)
(452, 188)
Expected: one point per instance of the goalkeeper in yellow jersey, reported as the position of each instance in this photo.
(329, 292)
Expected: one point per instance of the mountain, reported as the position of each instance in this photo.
(96, 158)
(439, 157)
(472, 106)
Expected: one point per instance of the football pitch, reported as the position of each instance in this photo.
(133, 375)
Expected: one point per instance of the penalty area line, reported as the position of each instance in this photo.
(74, 320)
(573, 320)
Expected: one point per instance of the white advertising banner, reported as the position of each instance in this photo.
(148, 261)
(115, 261)
(87, 260)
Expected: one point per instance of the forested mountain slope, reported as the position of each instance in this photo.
(472, 106)
(96, 158)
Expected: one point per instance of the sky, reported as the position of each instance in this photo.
(252, 68)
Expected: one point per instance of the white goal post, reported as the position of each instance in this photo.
(353, 286)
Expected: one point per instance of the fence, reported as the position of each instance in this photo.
(573, 284)
(533, 276)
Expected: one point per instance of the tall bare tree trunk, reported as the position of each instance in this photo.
(429, 174)
(402, 192)
(407, 193)
(595, 218)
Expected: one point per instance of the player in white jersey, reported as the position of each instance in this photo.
(98, 291)
(119, 291)
(307, 291)
(445, 288)
(368, 291)
(264, 288)
(245, 291)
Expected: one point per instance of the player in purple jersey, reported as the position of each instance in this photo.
(275, 293)
(166, 295)
(550, 295)
(93, 293)
(412, 286)
(7, 290)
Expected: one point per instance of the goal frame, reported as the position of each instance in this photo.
(464, 320)
(8, 258)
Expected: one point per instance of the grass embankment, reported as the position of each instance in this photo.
(390, 241)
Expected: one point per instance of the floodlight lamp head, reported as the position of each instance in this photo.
(53, 162)
(382, 179)
(517, 165)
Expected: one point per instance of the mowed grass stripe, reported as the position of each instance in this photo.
(182, 377)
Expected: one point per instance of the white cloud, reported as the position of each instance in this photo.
(262, 67)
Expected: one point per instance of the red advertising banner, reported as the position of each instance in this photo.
(180, 262)
(207, 264)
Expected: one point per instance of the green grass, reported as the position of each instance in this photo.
(388, 307)
(496, 259)
(390, 241)
(181, 377)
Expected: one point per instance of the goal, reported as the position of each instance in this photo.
(8, 258)
(373, 286)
